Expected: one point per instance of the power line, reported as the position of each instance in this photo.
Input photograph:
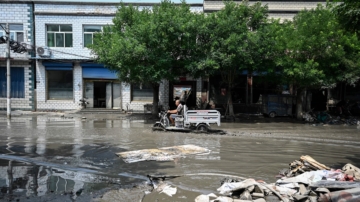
(18, 47)
(3, 28)
(72, 54)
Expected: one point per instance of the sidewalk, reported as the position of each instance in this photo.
(88, 114)
(17, 113)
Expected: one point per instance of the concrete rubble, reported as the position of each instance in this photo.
(306, 180)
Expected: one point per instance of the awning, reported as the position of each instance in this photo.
(96, 71)
(57, 66)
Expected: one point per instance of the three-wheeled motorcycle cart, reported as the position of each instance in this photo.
(189, 120)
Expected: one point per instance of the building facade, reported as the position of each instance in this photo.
(65, 71)
(19, 18)
(59, 71)
(283, 10)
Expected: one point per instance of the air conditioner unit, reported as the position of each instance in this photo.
(43, 51)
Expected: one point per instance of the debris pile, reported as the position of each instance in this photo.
(305, 164)
(326, 118)
(162, 154)
(305, 180)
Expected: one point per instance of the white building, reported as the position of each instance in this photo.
(65, 72)
(61, 70)
(19, 17)
(285, 10)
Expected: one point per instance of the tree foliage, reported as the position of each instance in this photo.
(348, 12)
(317, 52)
(148, 45)
(167, 41)
(233, 39)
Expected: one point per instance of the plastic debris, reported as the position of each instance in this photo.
(162, 154)
(306, 180)
(168, 190)
(352, 170)
(204, 198)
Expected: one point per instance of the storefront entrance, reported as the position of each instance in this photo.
(102, 94)
(99, 95)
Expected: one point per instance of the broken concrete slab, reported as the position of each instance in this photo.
(343, 195)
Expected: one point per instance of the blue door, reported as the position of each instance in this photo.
(17, 82)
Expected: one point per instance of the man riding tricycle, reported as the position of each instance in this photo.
(182, 119)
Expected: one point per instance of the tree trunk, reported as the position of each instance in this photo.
(251, 88)
(247, 90)
(155, 108)
(291, 89)
(308, 100)
(229, 103)
(299, 103)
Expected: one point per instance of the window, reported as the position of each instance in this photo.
(60, 85)
(17, 82)
(59, 35)
(16, 32)
(141, 92)
(89, 31)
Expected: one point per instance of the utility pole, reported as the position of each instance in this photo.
(8, 80)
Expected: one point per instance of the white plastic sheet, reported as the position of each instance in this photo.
(312, 176)
(162, 154)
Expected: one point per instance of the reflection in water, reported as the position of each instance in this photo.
(10, 177)
(33, 180)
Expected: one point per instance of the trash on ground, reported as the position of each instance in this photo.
(305, 180)
(343, 195)
(305, 164)
(325, 118)
(168, 190)
(162, 154)
(205, 198)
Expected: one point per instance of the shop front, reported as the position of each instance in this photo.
(102, 88)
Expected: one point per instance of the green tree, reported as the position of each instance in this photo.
(317, 52)
(348, 13)
(233, 39)
(148, 45)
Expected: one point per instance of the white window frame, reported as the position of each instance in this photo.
(60, 32)
(92, 34)
(13, 32)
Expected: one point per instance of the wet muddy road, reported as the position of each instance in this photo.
(73, 159)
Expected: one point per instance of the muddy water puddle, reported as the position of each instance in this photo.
(46, 155)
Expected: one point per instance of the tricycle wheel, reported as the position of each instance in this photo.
(165, 122)
(272, 114)
(158, 126)
(202, 128)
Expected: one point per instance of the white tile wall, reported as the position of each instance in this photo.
(138, 106)
(272, 5)
(78, 52)
(81, 8)
(20, 103)
(164, 93)
(89, 9)
(18, 13)
(44, 104)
